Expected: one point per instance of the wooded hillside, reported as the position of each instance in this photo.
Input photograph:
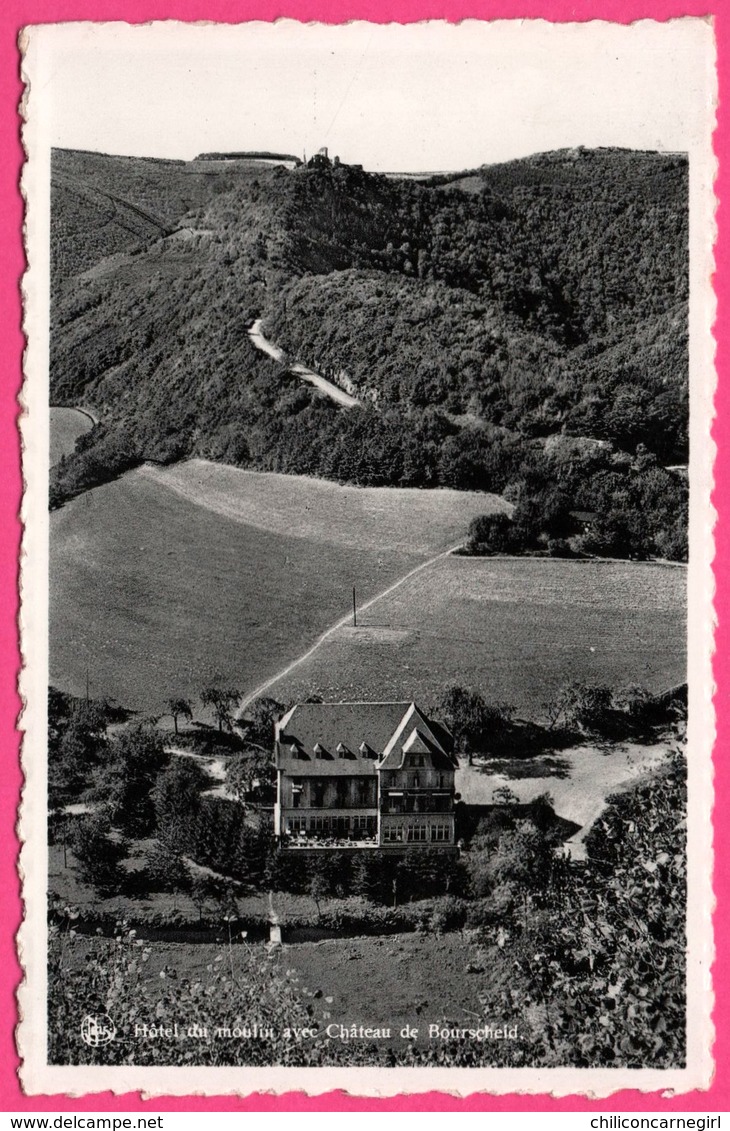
(477, 316)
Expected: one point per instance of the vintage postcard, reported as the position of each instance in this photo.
(366, 587)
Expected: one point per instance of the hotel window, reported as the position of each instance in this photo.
(296, 825)
(439, 832)
(392, 834)
(296, 794)
(319, 824)
(417, 832)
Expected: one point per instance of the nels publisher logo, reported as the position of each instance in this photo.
(97, 1031)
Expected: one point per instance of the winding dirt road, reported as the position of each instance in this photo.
(331, 390)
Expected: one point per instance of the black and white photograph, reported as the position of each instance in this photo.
(367, 600)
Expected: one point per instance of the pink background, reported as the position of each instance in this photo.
(13, 15)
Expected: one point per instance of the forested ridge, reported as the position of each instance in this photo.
(479, 316)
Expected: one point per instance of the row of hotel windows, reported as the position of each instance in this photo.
(367, 826)
(397, 834)
(337, 826)
(343, 792)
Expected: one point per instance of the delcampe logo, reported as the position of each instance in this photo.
(97, 1031)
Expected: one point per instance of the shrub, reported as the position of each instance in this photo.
(176, 800)
(165, 869)
(109, 977)
(125, 783)
(448, 913)
(493, 534)
(99, 855)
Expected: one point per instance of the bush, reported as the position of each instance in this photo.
(108, 977)
(447, 914)
(165, 869)
(560, 548)
(493, 910)
(125, 783)
(98, 855)
(223, 842)
(493, 534)
(176, 800)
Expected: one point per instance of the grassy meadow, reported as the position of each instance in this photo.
(389, 519)
(516, 628)
(162, 578)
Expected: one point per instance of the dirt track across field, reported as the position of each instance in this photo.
(341, 623)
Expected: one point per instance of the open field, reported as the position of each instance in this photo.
(367, 518)
(395, 981)
(152, 591)
(66, 425)
(517, 629)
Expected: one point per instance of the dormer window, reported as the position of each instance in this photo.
(367, 751)
(319, 751)
(342, 751)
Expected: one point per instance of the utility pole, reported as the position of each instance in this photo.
(354, 608)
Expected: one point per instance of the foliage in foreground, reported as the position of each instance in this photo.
(597, 967)
(588, 962)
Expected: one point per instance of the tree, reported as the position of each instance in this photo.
(493, 534)
(581, 706)
(77, 745)
(166, 869)
(260, 718)
(248, 772)
(176, 801)
(59, 714)
(319, 888)
(98, 854)
(222, 700)
(503, 795)
(179, 708)
(136, 757)
(477, 726)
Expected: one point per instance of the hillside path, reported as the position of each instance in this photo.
(329, 388)
(264, 687)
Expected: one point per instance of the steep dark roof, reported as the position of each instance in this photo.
(419, 735)
(348, 723)
(316, 730)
